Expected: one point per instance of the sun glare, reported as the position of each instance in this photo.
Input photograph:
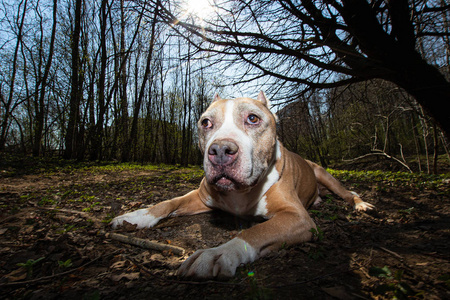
(199, 8)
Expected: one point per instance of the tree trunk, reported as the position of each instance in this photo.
(97, 136)
(75, 93)
(430, 88)
(40, 106)
(7, 104)
(394, 57)
(137, 107)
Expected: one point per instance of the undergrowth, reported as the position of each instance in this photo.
(418, 180)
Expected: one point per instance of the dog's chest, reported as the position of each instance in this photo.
(240, 204)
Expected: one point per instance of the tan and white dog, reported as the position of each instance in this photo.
(247, 173)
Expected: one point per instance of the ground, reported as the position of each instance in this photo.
(55, 243)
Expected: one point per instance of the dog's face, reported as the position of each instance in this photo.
(237, 138)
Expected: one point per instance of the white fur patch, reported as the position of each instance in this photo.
(141, 217)
(270, 179)
(354, 193)
(261, 208)
(209, 201)
(221, 261)
(278, 150)
(229, 129)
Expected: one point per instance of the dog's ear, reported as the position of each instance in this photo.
(216, 97)
(262, 97)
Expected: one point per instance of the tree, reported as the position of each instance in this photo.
(7, 103)
(132, 140)
(324, 44)
(40, 105)
(75, 93)
(97, 128)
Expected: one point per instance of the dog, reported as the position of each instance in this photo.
(248, 172)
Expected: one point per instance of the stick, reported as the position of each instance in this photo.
(145, 243)
(390, 252)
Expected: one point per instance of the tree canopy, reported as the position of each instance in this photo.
(322, 44)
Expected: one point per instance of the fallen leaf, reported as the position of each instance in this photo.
(16, 275)
(119, 264)
(127, 276)
(135, 204)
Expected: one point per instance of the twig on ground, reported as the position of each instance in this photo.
(390, 252)
(145, 243)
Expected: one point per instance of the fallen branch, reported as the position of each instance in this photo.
(380, 153)
(145, 243)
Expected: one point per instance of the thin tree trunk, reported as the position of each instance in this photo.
(133, 133)
(74, 105)
(40, 107)
(7, 107)
(97, 137)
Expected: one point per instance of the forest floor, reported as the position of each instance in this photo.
(54, 241)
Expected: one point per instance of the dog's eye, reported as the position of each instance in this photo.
(206, 123)
(253, 119)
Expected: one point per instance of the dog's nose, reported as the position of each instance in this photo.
(222, 152)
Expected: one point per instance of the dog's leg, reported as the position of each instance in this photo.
(188, 204)
(289, 226)
(324, 178)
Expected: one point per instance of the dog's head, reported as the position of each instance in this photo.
(238, 141)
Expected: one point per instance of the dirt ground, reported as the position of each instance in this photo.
(55, 244)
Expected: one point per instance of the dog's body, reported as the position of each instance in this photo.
(247, 173)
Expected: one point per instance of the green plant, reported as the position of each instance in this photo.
(46, 201)
(91, 207)
(317, 213)
(317, 251)
(29, 265)
(317, 233)
(407, 211)
(417, 180)
(255, 290)
(65, 264)
(108, 218)
(394, 284)
(445, 278)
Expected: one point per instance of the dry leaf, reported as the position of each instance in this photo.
(17, 275)
(127, 276)
(119, 264)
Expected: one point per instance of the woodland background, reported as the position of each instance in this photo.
(114, 86)
(128, 80)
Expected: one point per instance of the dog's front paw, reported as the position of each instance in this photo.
(360, 205)
(141, 217)
(363, 206)
(219, 262)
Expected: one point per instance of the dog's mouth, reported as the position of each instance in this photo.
(224, 182)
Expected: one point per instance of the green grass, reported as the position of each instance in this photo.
(419, 180)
